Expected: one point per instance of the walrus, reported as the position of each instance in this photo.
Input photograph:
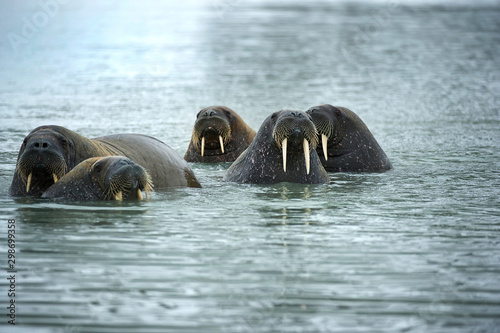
(284, 150)
(219, 135)
(49, 152)
(102, 178)
(347, 145)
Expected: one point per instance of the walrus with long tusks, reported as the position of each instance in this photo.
(347, 145)
(219, 135)
(103, 178)
(49, 152)
(284, 150)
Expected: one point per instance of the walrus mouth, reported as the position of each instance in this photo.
(325, 129)
(297, 131)
(128, 182)
(35, 168)
(211, 133)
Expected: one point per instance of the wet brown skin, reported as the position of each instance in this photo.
(102, 178)
(213, 125)
(350, 146)
(284, 150)
(49, 152)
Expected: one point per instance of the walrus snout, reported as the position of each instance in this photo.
(41, 162)
(323, 120)
(124, 179)
(295, 128)
(211, 130)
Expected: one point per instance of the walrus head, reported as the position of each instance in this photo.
(295, 129)
(119, 178)
(103, 178)
(212, 130)
(43, 159)
(284, 150)
(330, 123)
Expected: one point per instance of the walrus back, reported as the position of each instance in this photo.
(165, 166)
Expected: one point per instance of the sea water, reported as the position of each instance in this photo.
(415, 249)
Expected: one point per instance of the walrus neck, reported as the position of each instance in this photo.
(87, 148)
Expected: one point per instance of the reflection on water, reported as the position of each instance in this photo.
(414, 249)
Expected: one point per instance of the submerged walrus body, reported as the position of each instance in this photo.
(284, 150)
(49, 152)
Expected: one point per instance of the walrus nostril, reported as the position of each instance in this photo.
(209, 113)
(297, 114)
(40, 145)
(124, 162)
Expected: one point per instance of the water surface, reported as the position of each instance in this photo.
(411, 250)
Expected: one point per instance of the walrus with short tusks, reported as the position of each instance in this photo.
(103, 178)
(284, 150)
(49, 152)
(219, 135)
(347, 145)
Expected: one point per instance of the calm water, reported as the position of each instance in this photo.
(416, 249)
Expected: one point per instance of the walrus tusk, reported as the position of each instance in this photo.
(324, 141)
(29, 182)
(306, 155)
(139, 194)
(55, 178)
(283, 147)
(202, 146)
(221, 144)
(119, 196)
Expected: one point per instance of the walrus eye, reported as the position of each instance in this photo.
(98, 168)
(64, 142)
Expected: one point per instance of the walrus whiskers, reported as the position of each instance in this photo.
(325, 128)
(148, 185)
(120, 187)
(22, 169)
(281, 133)
(220, 126)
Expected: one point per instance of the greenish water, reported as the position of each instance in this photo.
(416, 249)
